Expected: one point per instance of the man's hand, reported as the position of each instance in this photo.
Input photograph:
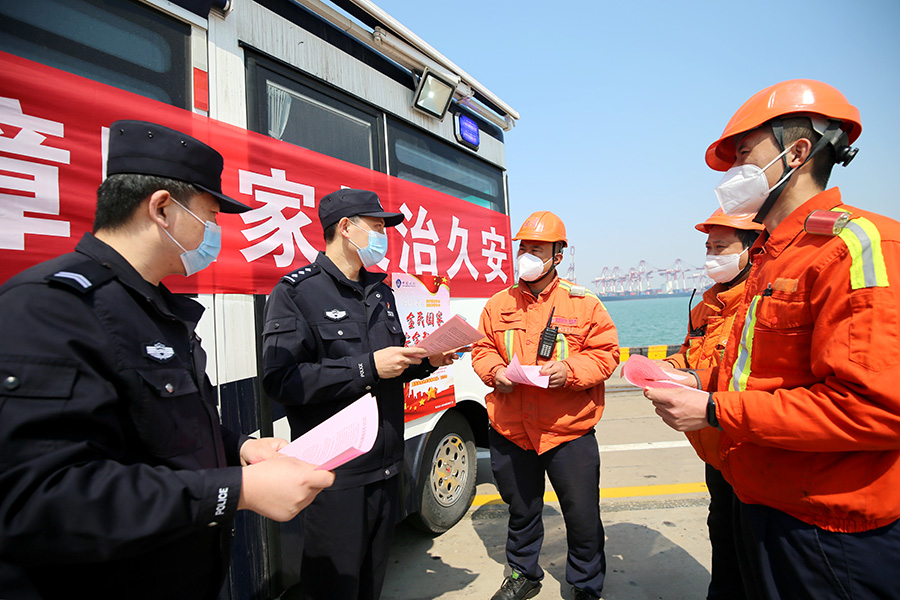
(680, 408)
(282, 487)
(557, 371)
(442, 360)
(390, 362)
(676, 374)
(257, 450)
(501, 383)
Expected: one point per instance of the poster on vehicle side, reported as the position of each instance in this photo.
(423, 305)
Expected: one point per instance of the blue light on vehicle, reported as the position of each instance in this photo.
(467, 131)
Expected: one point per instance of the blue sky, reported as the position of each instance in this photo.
(619, 101)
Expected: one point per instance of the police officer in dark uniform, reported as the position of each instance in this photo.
(116, 478)
(332, 334)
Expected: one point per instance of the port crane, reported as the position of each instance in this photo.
(681, 276)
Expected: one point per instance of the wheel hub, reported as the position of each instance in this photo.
(450, 470)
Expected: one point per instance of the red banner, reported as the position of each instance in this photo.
(52, 152)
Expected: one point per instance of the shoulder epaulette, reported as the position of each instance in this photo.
(576, 291)
(82, 277)
(300, 274)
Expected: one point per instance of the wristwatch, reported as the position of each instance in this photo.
(711, 417)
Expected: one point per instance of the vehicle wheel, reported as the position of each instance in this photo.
(446, 479)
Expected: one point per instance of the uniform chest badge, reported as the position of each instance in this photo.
(335, 314)
(159, 352)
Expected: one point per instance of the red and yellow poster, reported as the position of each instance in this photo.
(423, 304)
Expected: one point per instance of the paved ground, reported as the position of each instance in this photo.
(653, 507)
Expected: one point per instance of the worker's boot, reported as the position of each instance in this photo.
(583, 594)
(517, 587)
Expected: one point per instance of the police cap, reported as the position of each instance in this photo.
(142, 148)
(350, 203)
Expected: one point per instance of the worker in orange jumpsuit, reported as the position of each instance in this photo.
(808, 398)
(728, 242)
(547, 321)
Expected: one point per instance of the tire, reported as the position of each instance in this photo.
(446, 480)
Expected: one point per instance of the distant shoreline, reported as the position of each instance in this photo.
(644, 295)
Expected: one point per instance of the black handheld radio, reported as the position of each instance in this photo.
(548, 338)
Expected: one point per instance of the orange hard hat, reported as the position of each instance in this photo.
(736, 221)
(799, 97)
(543, 226)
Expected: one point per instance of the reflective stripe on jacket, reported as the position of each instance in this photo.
(536, 418)
(714, 316)
(811, 417)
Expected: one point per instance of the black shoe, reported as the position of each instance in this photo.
(583, 595)
(517, 587)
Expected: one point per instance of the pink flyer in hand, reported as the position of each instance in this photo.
(527, 374)
(642, 372)
(339, 439)
(453, 334)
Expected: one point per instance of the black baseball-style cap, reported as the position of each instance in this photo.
(143, 148)
(350, 203)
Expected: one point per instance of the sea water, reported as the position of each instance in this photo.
(650, 321)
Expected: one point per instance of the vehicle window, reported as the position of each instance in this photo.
(301, 111)
(422, 159)
(120, 43)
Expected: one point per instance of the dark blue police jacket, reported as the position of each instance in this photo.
(321, 331)
(114, 468)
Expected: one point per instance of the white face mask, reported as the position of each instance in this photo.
(722, 268)
(530, 267)
(743, 189)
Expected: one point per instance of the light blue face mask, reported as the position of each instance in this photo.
(376, 249)
(206, 253)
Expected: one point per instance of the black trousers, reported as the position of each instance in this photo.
(783, 558)
(574, 472)
(726, 582)
(346, 540)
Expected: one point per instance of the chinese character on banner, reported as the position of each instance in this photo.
(494, 254)
(421, 302)
(424, 254)
(28, 185)
(286, 231)
(462, 258)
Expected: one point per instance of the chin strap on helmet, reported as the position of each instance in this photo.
(832, 135)
(742, 273)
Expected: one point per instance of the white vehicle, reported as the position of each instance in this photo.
(302, 97)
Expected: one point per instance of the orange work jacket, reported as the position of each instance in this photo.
(810, 400)
(536, 418)
(712, 320)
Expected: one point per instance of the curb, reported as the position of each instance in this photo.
(651, 352)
